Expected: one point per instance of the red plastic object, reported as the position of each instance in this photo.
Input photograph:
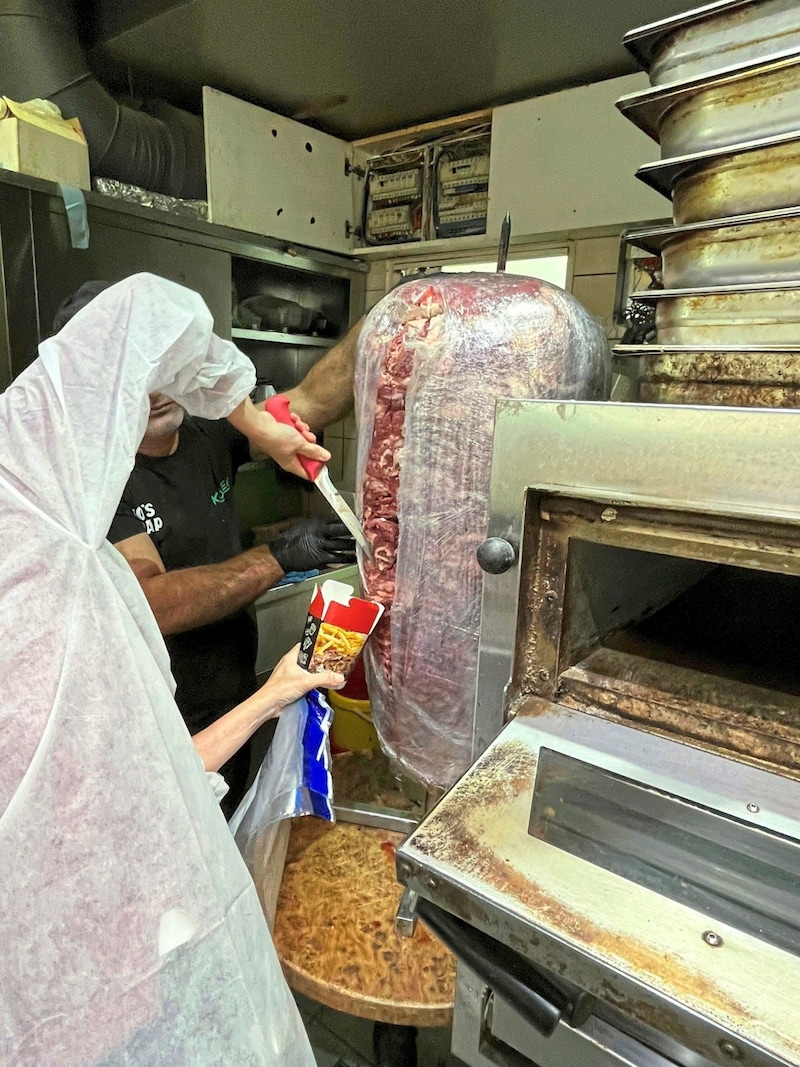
(355, 688)
(278, 408)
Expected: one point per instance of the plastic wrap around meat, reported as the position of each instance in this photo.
(433, 357)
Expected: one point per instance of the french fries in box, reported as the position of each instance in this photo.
(336, 629)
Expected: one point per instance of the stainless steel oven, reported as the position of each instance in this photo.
(619, 871)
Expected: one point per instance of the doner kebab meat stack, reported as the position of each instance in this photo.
(433, 357)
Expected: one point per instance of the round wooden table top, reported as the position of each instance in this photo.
(334, 929)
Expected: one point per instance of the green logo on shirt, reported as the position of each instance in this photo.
(223, 489)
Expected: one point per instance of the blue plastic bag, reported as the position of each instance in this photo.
(294, 778)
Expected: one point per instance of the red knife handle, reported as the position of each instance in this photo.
(278, 408)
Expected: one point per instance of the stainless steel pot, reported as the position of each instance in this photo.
(751, 315)
(734, 109)
(745, 179)
(734, 377)
(733, 251)
(737, 104)
(714, 36)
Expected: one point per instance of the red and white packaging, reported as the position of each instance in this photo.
(336, 629)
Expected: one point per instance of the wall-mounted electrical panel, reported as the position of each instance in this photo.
(462, 187)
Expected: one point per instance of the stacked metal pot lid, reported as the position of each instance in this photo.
(725, 107)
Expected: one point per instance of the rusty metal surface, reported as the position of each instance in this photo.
(731, 378)
(761, 180)
(615, 454)
(750, 723)
(712, 36)
(755, 99)
(653, 483)
(754, 248)
(742, 396)
(768, 544)
(754, 176)
(760, 105)
(749, 315)
(589, 574)
(473, 854)
(731, 699)
(541, 604)
(588, 581)
(734, 366)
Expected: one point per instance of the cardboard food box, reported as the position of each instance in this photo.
(336, 629)
(36, 140)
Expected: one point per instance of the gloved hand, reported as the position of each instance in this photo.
(312, 544)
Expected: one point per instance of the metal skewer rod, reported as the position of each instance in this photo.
(505, 237)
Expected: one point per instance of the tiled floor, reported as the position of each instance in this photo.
(341, 1040)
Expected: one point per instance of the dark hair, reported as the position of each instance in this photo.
(73, 304)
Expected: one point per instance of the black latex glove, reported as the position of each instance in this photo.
(313, 544)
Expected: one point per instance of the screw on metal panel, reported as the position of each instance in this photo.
(754, 809)
(403, 869)
(727, 1048)
(431, 883)
(551, 596)
(712, 939)
(543, 674)
(608, 514)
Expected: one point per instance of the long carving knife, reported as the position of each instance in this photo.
(278, 407)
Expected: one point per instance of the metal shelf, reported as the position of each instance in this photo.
(274, 337)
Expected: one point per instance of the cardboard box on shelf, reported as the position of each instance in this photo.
(35, 140)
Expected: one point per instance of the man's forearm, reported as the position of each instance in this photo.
(326, 392)
(195, 596)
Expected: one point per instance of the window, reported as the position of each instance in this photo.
(549, 264)
(550, 268)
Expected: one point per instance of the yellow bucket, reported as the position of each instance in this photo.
(352, 728)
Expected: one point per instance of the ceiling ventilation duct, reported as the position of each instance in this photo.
(158, 147)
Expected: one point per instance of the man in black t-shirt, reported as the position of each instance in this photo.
(183, 504)
(177, 527)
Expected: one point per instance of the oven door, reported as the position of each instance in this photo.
(488, 1032)
(512, 1013)
(659, 878)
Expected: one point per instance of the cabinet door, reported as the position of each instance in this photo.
(19, 313)
(116, 251)
(578, 158)
(273, 176)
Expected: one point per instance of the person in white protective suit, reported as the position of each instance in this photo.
(131, 930)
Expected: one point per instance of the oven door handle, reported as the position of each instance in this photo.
(542, 999)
